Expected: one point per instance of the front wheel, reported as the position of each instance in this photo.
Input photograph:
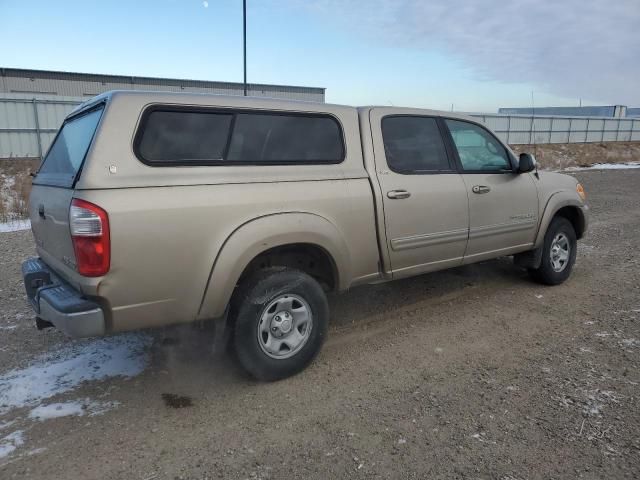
(558, 253)
(281, 321)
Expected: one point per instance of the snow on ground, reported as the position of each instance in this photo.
(9, 443)
(64, 369)
(605, 166)
(65, 409)
(15, 225)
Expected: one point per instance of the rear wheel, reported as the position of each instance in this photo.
(558, 253)
(281, 320)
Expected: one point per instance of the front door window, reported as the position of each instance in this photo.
(478, 150)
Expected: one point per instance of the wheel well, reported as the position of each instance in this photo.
(311, 259)
(575, 217)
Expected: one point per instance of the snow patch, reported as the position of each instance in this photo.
(66, 409)
(9, 443)
(6, 424)
(606, 166)
(481, 437)
(15, 226)
(66, 368)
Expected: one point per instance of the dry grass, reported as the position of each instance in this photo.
(4, 212)
(15, 187)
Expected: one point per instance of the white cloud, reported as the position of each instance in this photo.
(573, 48)
(205, 4)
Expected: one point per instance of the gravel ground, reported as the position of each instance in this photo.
(474, 372)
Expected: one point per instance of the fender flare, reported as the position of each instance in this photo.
(558, 200)
(260, 234)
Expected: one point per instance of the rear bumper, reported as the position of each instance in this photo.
(57, 302)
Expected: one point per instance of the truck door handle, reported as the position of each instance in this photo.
(480, 189)
(398, 194)
(41, 210)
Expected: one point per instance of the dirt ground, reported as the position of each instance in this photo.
(474, 372)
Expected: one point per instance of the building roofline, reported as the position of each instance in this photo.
(137, 80)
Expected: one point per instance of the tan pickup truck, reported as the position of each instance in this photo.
(152, 209)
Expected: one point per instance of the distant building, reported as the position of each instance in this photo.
(616, 111)
(44, 84)
(633, 112)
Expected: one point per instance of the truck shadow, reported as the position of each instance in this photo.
(188, 354)
(361, 303)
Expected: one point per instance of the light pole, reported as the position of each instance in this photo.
(244, 42)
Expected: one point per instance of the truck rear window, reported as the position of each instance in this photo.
(204, 137)
(65, 156)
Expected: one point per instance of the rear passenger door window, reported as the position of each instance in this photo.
(413, 145)
(478, 150)
(214, 137)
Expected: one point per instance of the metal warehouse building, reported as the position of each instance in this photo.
(615, 111)
(33, 103)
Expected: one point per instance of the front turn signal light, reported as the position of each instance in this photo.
(581, 192)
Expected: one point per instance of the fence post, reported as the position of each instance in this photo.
(618, 131)
(508, 128)
(531, 131)
(551, 130)
(586, 133)
(37, 122)
(604, 123)
(569, 132)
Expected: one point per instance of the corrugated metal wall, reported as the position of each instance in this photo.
(27, 126)
(525, 129)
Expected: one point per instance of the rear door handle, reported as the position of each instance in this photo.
(480, 189)
(398, 194)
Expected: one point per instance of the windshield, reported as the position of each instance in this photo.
(64, 159)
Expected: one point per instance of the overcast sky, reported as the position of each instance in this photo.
(475, 54)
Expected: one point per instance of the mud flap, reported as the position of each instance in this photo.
(530, 259)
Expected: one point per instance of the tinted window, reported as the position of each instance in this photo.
(285, 138)
(413, 144)
(177, 136)
(185, 137)
(478, 149)
(68, 150)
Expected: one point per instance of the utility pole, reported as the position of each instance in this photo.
(244, 42)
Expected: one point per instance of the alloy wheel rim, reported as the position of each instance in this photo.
(284, 326)
(560, 252)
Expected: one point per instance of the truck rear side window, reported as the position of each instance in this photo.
(64, 159)
(413, 144)
(178, 136)
(185, 136)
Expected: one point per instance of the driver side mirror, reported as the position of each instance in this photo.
(526, 163)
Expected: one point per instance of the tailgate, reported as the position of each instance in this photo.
(53, 185)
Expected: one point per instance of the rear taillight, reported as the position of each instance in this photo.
(89, 226)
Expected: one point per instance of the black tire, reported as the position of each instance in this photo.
(546, 273)
(249, 308)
